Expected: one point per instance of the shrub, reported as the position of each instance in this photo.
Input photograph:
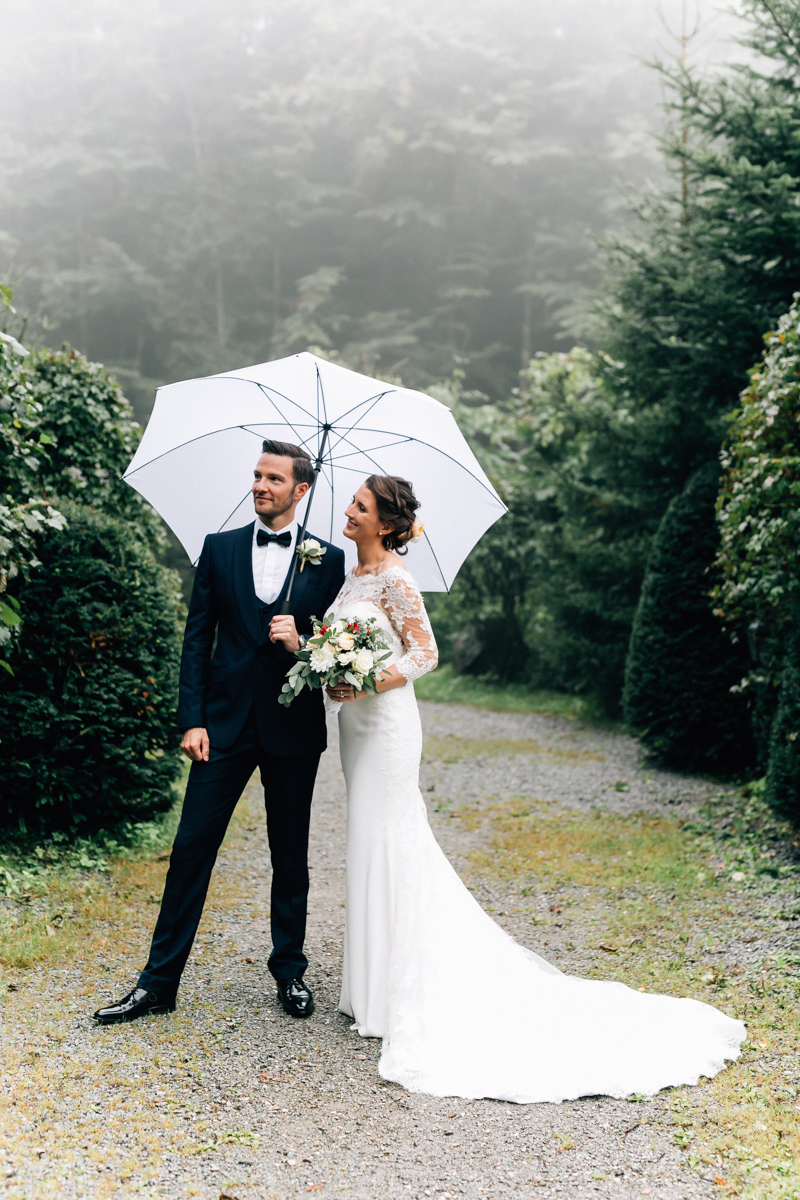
(78, 436)
(759, 500)
(87, 734)
(782, 789)
(681, 663)
(759, 555)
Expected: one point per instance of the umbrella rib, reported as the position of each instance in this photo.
(436, 560)
(384, 446)
(294, 429)
(371, 400)
(438, 450)
(420, 442)
(188, 442)
(427, 539)
(265, 388)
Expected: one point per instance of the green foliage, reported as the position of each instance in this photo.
(549, 594)
(716, 263)
(22, 451)
(759, 556)
(87, 719)
(75, 434)
(682, 665)
(759, 502)
(782, 785)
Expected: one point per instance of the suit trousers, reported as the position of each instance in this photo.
(212, 793)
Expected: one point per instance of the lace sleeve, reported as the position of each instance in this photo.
(402, 603)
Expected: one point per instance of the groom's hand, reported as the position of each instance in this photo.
(283, 629)
(195, 745)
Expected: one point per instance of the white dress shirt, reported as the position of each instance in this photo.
(271, 563)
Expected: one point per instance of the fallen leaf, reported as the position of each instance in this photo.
(226, 1196)
(609, 949)
(554, 908)
(50, 931)
(314, 1187)
(250, 960)
(163, 857)
(721, 1182)
(12, 987)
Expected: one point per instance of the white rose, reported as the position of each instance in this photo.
(346, 659)
(363, 661)
(346, 641)
(322, 659)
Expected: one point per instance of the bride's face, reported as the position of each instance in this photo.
(363, 523)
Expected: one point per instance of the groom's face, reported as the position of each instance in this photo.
(274, 489)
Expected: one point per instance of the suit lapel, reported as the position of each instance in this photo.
(243, 586)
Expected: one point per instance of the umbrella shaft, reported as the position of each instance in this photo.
(286, 607)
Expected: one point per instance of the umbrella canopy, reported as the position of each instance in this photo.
(195, 461)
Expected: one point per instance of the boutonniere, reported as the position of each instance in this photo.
(310, 551)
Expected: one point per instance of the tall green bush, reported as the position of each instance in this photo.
(759, 555)
(782, 785)
(682, 666)
(23, 518)
(87, 735)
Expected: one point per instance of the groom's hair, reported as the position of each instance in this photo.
(302, 469)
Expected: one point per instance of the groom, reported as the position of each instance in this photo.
(232, 721)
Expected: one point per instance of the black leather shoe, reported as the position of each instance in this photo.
(295, 997)
(137, 1003)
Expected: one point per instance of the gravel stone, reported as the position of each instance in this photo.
(301, 1102)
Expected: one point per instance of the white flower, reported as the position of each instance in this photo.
(322, 659)
(345, 659)
(346, 641)
(364, 661)
(310, 551)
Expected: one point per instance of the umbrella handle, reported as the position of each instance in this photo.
(286, 608)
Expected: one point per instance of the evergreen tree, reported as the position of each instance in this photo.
(718, 257)
(681, 665)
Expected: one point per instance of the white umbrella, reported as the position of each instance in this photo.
(196, 457)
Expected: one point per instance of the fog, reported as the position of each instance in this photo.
(187, 187)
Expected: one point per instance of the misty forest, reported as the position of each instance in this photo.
(576, 225)
(574, 228)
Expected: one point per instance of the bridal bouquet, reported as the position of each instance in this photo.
(337, 652)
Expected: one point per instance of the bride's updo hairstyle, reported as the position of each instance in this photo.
(397, 506)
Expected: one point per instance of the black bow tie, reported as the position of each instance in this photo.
(283, 539)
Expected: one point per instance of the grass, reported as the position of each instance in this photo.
(450, 749)
(445, 687)
(653, 900)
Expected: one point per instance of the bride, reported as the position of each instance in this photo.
(462, 1008)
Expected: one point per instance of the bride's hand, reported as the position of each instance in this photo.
(342, 693)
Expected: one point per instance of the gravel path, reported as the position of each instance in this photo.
(230, 1098)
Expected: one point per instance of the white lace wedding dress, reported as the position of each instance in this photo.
(462, 1008)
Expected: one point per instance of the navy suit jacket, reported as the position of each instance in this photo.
(246, 670)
